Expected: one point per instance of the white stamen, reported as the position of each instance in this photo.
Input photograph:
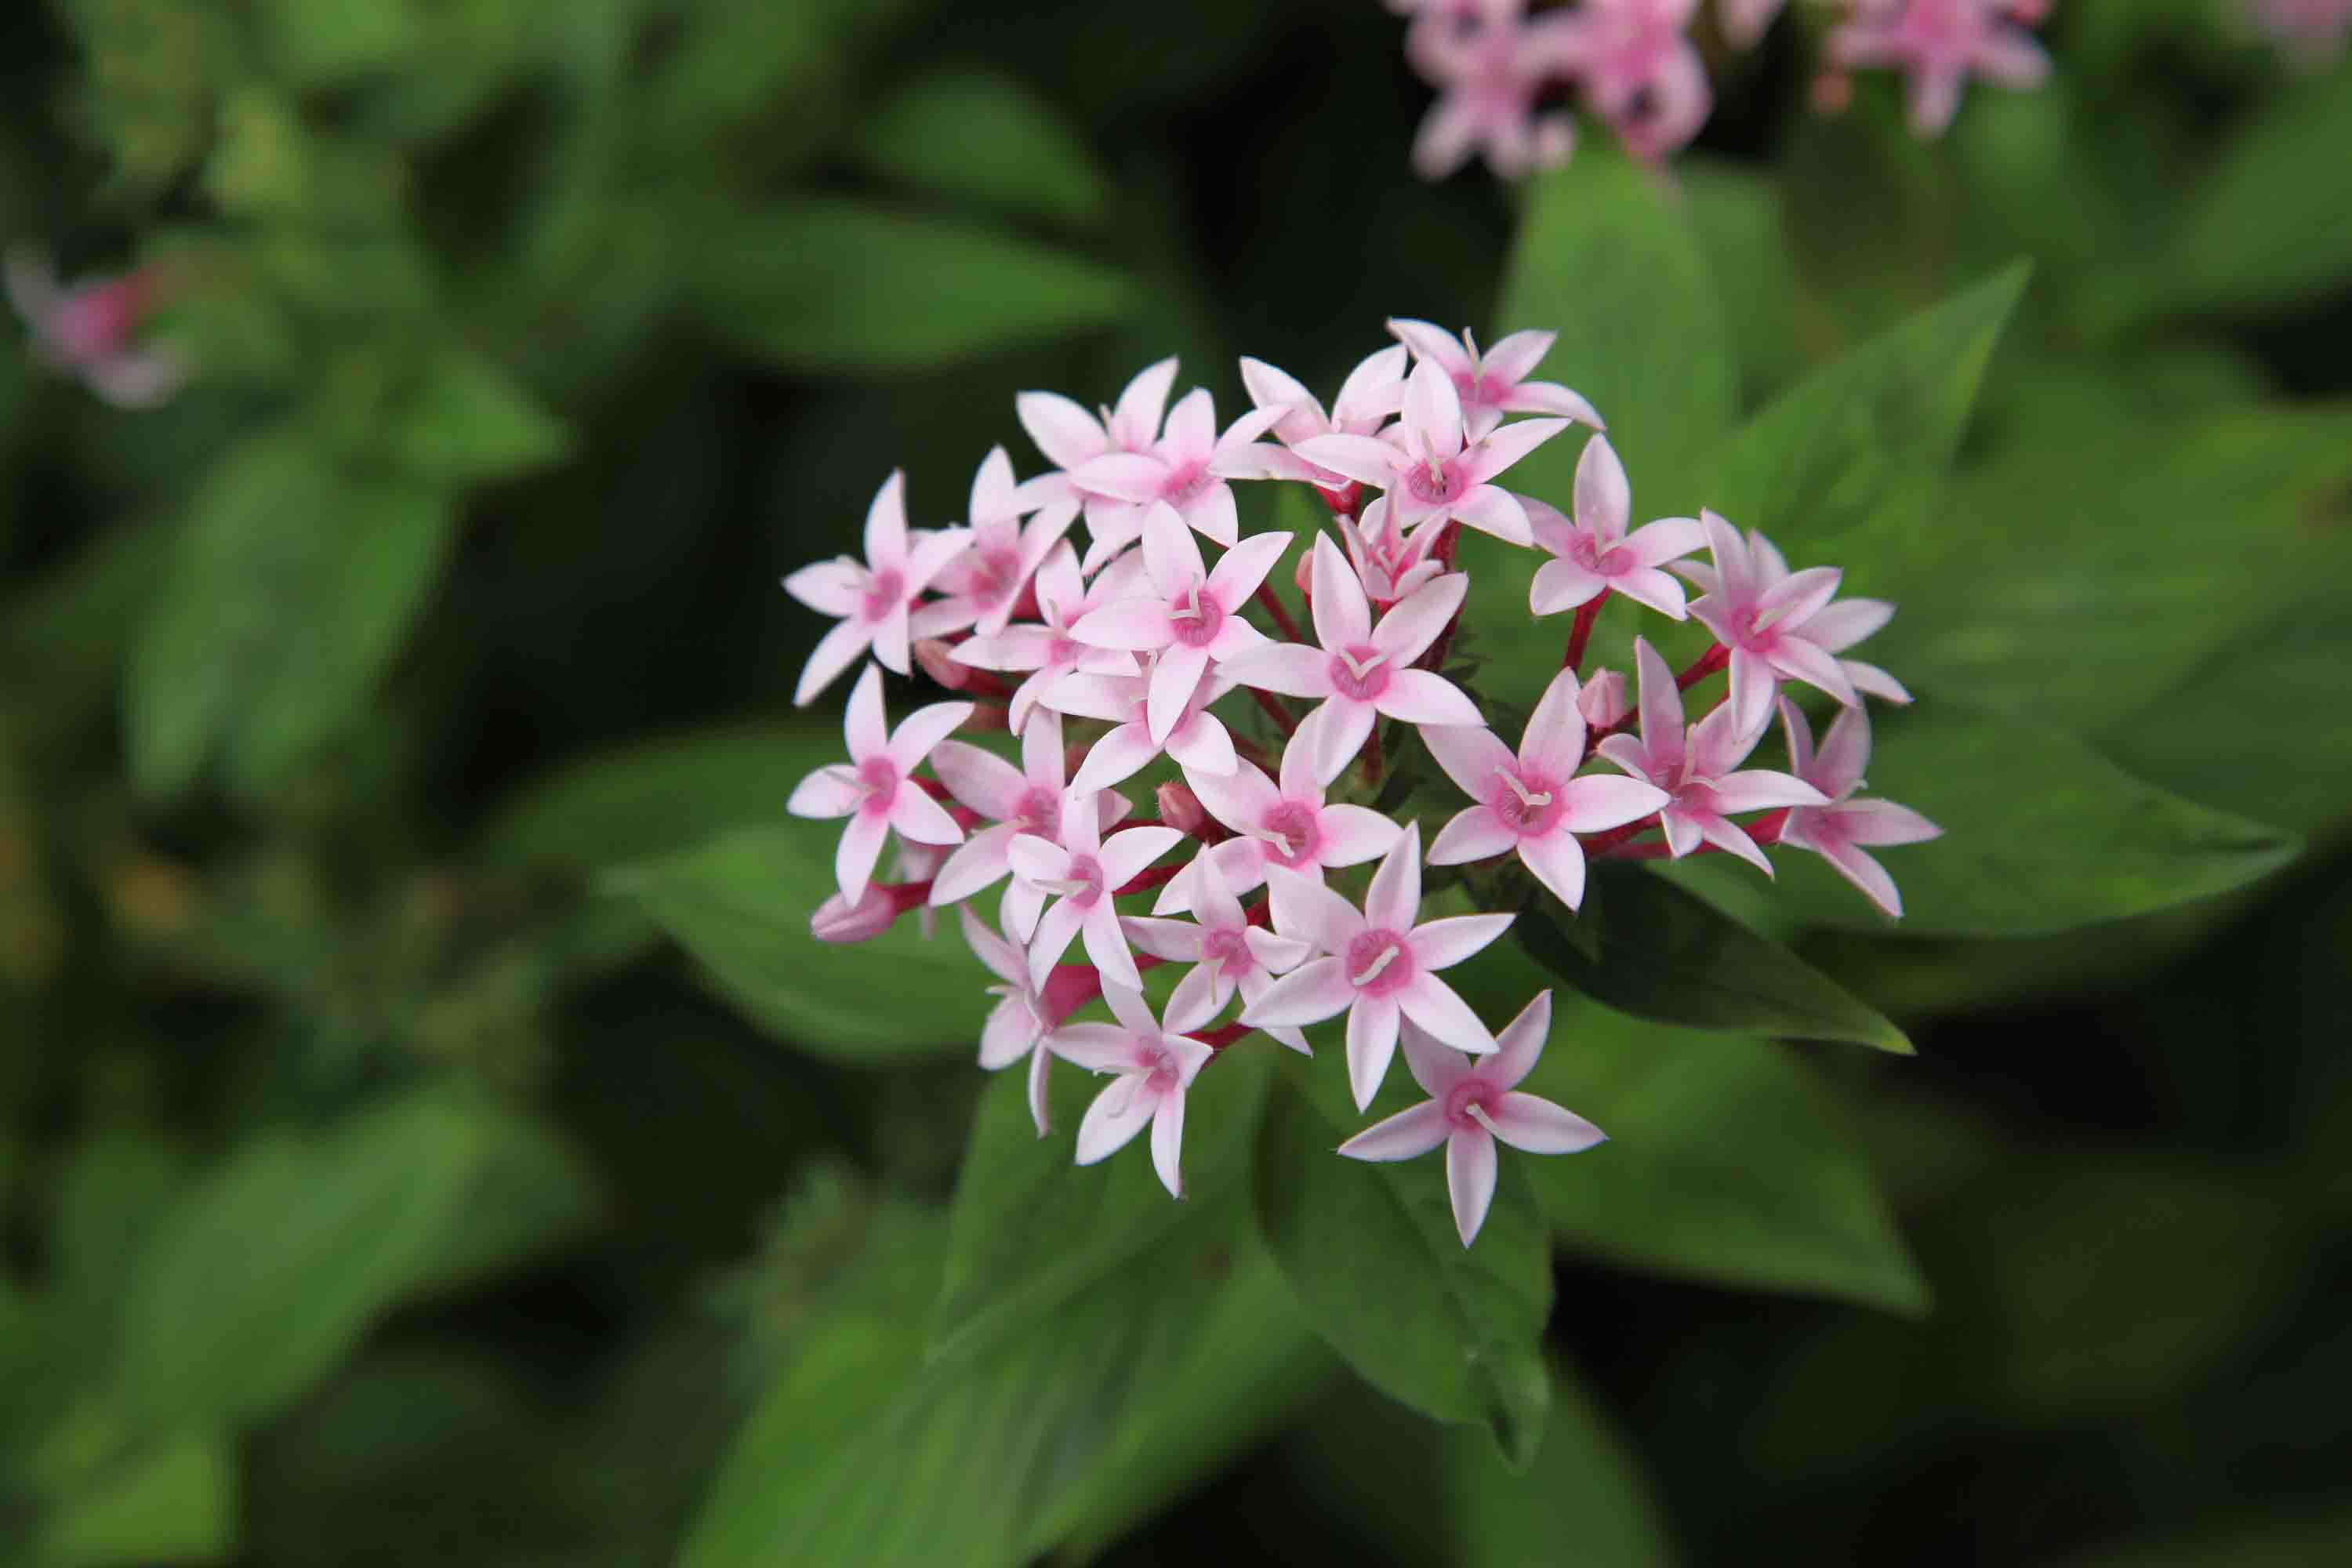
(1527, 801)
(1477, 1113)
(1189, 603)
(1281, 840)
(1372, 969)
(1366, 668)
(1067, 886)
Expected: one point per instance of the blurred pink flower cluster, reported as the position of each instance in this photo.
(1141, 650)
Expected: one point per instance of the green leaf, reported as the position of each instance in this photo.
(1842, 467)
(844, 288)
(529, 1195)
(1585, 1487)
(319, 45)
(1372, 1253)
(2041, 833)
(1608, 258)
(740, 904)
(864, 1456)
(468, 422)
(1029, 1227)
(976, 134)
(294, 585)
(1726, 1163)
(655, 798)
(1667, 955)
(261, 1278)
(173, 1504)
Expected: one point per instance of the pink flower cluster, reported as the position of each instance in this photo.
(1277, 733)
(92, 330)
(1503, 76)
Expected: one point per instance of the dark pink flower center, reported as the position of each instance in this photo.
(95, 321)
(1471, 1092)
(879, 777)
(1039, 811)
(1292, 836)
(995, 573)
(884, 591)
(1185, 482)
(1448, 484)
(1379, 963)
(1197, 616)
(1063, 650)
(1528, 803)
(1226, 950)
(1360, 672)
(1480, 390)
(1084, 881)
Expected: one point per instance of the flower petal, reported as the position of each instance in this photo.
(1335, 732)
(1351, 835)
(1558, 861)
(1168, 1143)
(1554, 741)
(919, 818)
(1476, 834)
(1371, 1045)
(1366, 460)
(1118, 756)
(1539, 1127)
(1343, 616)
(1405, 633)
(1492, 509)
(1470, 1178)
(1393, 901)
(1597, 802)
(1115, 1118)
(1317, 990)
(1407, 1135)
(830, 792)
(835, 652)
(1425, 697)
(1441, 944)
(860, 848)
(1294, 670)
(1438, 1009)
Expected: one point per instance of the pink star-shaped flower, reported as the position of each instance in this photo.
(1227, 952)
(1368, 399)
(1701, 770)
(1047, 651)
(1084, 876)
(1389, 563)
(1197, 740)
(1186, 469)
(1533, 802)
(1594, 556)
(1491, 76)
(1941, 43)
(1378, 966)
(1839, 831)
(874, 789)
(1641, 72)
(873, 598)
(1495, 382)
(985, 582)
(1361, 671)
(1779, 625)
(1155, 1065)
(1191, 617)
(1071, 437)
(91, 330)
(1287, 825)
(1471, 1104)
(1014, 801)
(1428, 472)
(1017, 1026)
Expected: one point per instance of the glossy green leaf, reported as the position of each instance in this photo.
(467, 421)
(740, 905)
(262, 1277)
(2041, 833)
(176, 1502)
(976, 134)
(2269, 225)
(1842, 467)
(1669, 956)
(1029, 1227)
(1585, 1499)
(1372, 1253)
(841, 287)
(294, 584)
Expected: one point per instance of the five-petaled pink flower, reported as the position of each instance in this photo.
(1471, 1103)
(1017, 1026)
(1186, 469)
(1594, 556)
(1495, 382)
(1640, 72)
(983, 585)
(1428, 471)
(1780, 625)
(875, 789)
(1014, 801)
(1361, 671)
(1046, 652)
(1839, 831)
(1155, 1067)
(1491, 77)
(1379, 966)
(1941, 43)
(1286, 824)
(1071, 437)
(1191, 616)
(1389, 563)
(1368, 399)
(1701, 769)
(1226, 951)
(1084, 870)
(872, 599)
(1533, 802)
(92, 330)
(1198, 740)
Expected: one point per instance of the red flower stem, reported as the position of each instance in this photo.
(1581, 633)
(1071, 986)
(1256, 754)
(1275, 709)
(1371, 758)
(1713, 659)
(1344, 502)
(1766, 831)
(1218, 1039)
(1283, 620)
(1158, 875)
(1603, 842)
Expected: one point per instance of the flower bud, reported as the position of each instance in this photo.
(839, 920)
(938, 660)
(1602, 701)
(1181, 809)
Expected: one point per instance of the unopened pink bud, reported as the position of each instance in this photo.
(1832, 93)
(1603, 701)
(1181, 809)
(839, 920)
(938, 660)
(1304, 574)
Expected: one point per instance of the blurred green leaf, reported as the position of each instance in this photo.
(1371, 1252)
(1029, 1226)
(1668, 955)
(1585, 1500)
(467, 421)
(1842, 467)
(294, 583)
(862, 1455)
(977, 134)
(2041, 833)
(1607, 258)
(173, 1504)
(529, 1195)
(319, 46)
(261, 1278)
(1735, 209)
(63, 640)
(741, 904)
(843, 288)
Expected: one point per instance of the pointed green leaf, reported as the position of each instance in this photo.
(974, 134)
(1371, 1252)
(1585, 1487)
(175, 1503)
(467, 421)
